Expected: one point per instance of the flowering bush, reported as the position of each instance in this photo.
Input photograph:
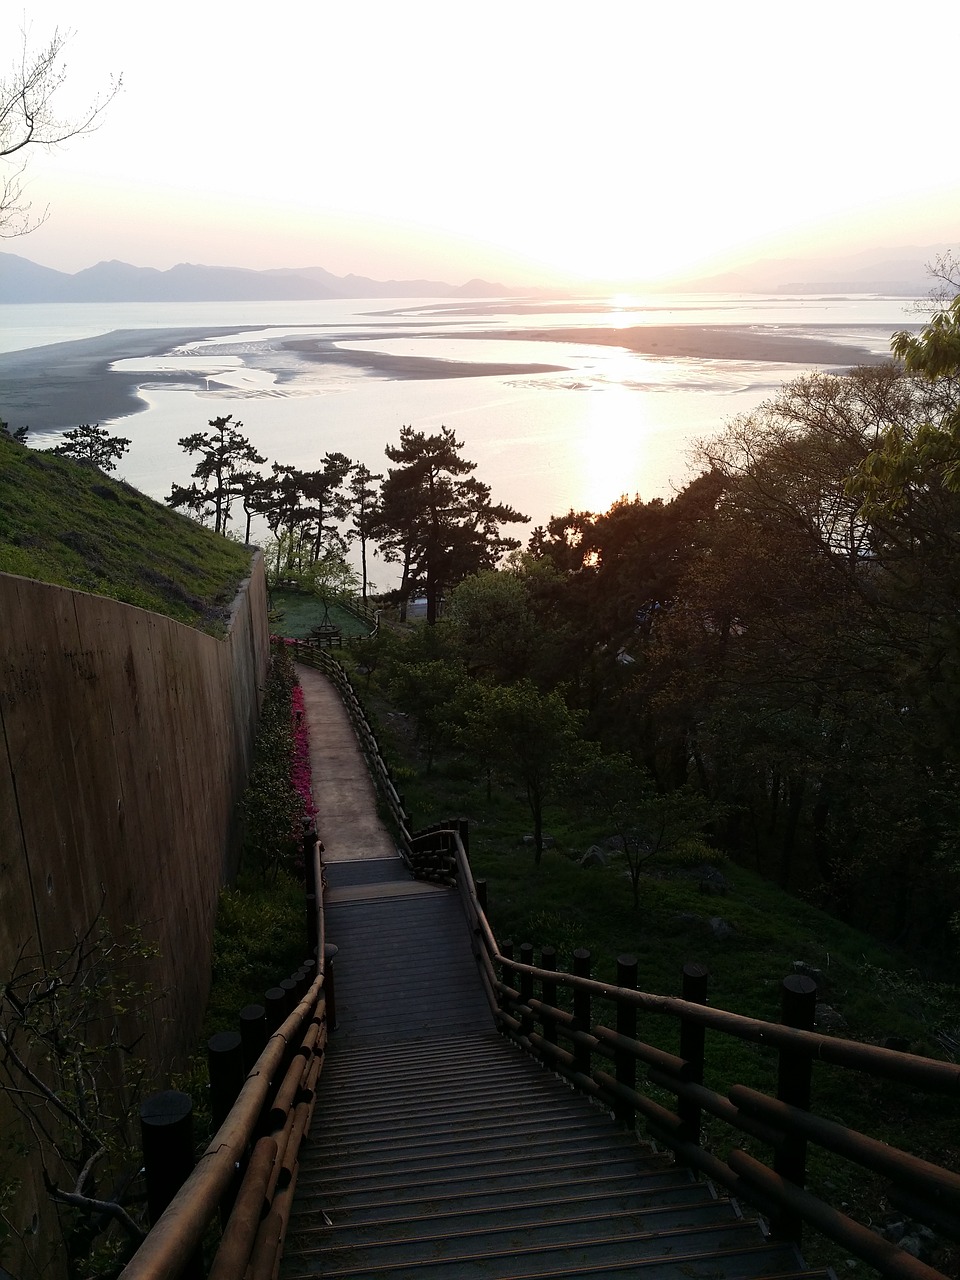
(300, 774)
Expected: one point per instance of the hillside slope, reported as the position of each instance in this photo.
(67, 523)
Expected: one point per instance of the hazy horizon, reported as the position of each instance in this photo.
(529, 145)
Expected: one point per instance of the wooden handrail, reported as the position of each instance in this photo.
(932, 1190)
(171, 1242)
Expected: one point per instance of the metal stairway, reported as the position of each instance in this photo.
(439, 1150)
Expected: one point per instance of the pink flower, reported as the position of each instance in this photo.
(301, 777)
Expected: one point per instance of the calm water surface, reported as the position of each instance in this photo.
(610, 423)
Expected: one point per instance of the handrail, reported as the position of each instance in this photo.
(177, 1233)
(927, 1191)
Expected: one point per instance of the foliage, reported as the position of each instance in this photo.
(435, 519)
(93, 445)
(68, 524)
(647, 824)
(532, 737)
(259, 939)
(224, 473)
(329, 577)
(69, 1028)
(362, 499)
(272, 808)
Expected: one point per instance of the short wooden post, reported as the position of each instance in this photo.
(309, 836)
(329, 987)
(310, 903)
(253, 1033)
(304, 977)
(548, 960)
(798, 1003)
(626, 1063)
(526, 988)
(581, 1010)
(289, 986)
(463, 826)
(275, 1003)
(694, 989)
(166, 1134)
(506, 975)
(481, 888)
(225, 1067)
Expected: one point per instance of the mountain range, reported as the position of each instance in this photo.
(901, 272)
(24, 281)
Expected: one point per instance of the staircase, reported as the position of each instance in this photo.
(439, 1150)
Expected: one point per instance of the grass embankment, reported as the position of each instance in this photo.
(69, 524)
(867, 992)
(296, 613)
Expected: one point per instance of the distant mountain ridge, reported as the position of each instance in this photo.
(899, 272)
(24, 281)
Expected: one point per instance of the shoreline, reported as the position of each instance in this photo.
(64, 384)
(59, 386)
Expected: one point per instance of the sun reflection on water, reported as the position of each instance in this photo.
(615, 448)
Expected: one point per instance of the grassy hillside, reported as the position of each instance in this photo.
(67, 523)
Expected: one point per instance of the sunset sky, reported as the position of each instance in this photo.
(525, 142)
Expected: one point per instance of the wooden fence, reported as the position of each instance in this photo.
(260, 1136)
(594, 1044)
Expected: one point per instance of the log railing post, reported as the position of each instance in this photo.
(506, 975)
(626, 1063)
(694, 989)
(329, 987)
(253, 1033)
(548, 960)
(166, 1135)
(798, 1002)
(581, 1010)
(225, 1068)
(526, 988)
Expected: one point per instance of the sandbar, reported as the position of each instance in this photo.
(784, 345)
(68, 383)
(411, 367)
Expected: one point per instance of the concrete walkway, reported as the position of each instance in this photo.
(342, 788)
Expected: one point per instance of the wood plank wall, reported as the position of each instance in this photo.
(125, 743)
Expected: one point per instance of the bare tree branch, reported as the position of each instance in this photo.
(29, 118)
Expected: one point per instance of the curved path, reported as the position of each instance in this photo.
(343, 791)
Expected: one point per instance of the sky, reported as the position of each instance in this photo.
(617, 142)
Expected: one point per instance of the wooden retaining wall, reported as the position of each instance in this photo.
(125, 742)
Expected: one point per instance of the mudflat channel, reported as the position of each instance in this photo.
(67, 383)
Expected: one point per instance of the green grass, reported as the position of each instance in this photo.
(65, 523)
(294, 614)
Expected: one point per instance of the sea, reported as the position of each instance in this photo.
(608, 423)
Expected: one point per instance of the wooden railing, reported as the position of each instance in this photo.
(260, 1137)
(600, 1052)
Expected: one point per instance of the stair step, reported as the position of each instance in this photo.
(552, 1198)
(351, 1109)
(717, 1250)
(435, 1137)
(667, 1187)
(533, 1151)
(586, 1215)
